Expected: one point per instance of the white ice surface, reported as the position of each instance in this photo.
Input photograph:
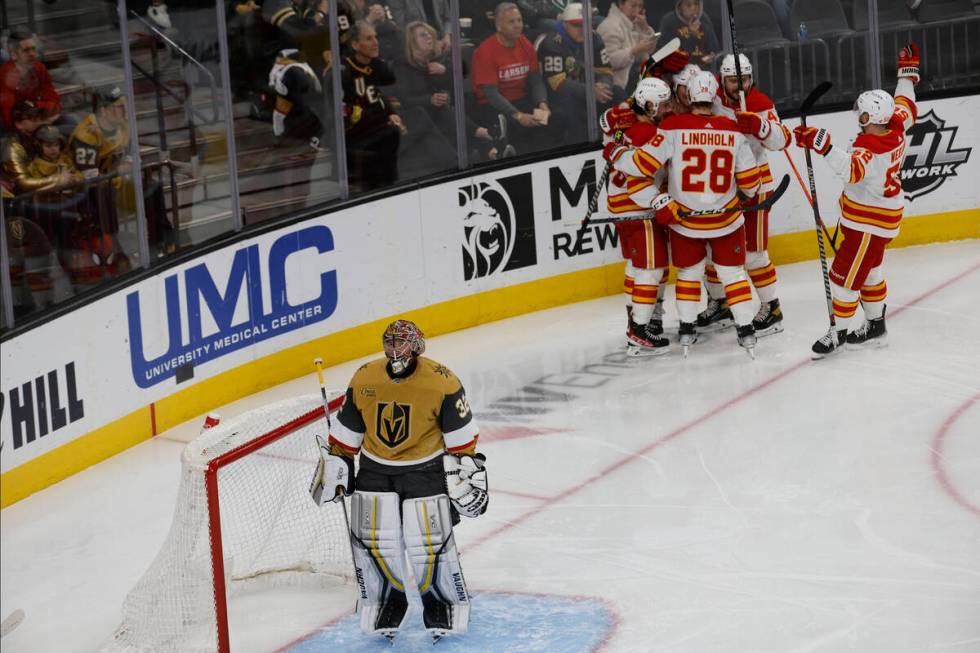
(714, 503)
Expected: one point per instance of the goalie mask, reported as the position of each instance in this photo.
(403, 341)
(878, 104)
(650, 94)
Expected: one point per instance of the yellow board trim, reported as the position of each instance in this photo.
(363, 340)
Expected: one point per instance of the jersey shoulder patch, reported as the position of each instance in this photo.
(879, 144)
(437, 375)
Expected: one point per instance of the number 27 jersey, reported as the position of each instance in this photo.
(709, 160)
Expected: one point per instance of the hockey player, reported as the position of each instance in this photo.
(408, 418)
(711, 159)
(643, 242)
(871, 204)
(766, 133)
(682, 101)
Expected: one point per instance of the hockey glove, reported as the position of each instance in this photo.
(334, 476)
(466, 483)
(753, 124)
(811, 138)
(666, 210)
(613, 151)
(908, 63)
(671, 64)
(619, 117)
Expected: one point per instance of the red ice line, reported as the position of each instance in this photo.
(938, 459)
(681, 430)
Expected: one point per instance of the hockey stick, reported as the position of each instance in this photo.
(670, 48)
(11, 622)
(738, 64)
(808, 103)
(832, 241)
(326, 411)
(763, 205)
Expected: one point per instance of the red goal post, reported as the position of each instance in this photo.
(243, 515)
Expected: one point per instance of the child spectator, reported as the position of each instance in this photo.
(694, 28)
(52, 167)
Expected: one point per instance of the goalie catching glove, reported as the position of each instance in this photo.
(334, 476)
(466, 483)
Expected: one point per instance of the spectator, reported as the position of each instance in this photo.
(373, 129)
(52, 167)
(383, 18)
(432, 12)
(476, 19)
(24, 77)
(19, 148)
(628, 37)
(507, 81)
(100, 140)
(562, 58)
(694, 28)
(297, 88)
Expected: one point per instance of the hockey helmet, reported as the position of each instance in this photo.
(728, 66)
(702, 87)
(402, 341)
(685, 75)
(878, 104)
(650, 91)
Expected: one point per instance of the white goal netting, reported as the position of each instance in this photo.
(271, 531)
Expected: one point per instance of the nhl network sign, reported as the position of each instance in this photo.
(931, 157)
(202, 343)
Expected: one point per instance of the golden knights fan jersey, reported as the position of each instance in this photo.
(92, 147)
(404, 421)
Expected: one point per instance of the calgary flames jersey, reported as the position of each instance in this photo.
(629, 196)
(710, 160)
(404, 420)
(778, 139)
(872, 200)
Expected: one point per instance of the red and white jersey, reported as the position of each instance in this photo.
(629, 196)
(872, 200)
(779, 136)
(709, 161)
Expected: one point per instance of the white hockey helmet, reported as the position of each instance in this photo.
(650, 90)
(728, 66)
(878, 104)
(684, 76)
(702, 87)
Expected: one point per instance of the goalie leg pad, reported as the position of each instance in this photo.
(432, 554)
(379, 561)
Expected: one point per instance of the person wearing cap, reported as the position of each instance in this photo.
(99, 142)
(25, 78)
(562, 58)
(51, 167)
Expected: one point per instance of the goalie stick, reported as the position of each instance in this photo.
(763, 205)
(672, 46)
(808, 103)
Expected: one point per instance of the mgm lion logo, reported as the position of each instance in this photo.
(488, 227)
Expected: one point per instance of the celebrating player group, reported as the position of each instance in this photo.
(690, 186)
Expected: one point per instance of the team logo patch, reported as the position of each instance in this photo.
(498, 226)
(930, 157)
(394, 423)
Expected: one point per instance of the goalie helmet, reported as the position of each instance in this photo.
(878, 104)
(702, 87)
(728, 66)
(403, 341)
(684, 76)
(650, 91)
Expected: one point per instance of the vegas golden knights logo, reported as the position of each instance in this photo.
(394, 423)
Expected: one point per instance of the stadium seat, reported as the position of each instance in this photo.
(757, 24)
(891, 14)
(823, 19)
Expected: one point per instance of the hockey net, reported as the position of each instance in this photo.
(244, 519)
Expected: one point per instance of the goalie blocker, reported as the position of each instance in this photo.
(408, 422)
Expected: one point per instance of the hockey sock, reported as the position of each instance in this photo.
(845, 305)
(873, 300)
(688, 296)
(739, 294)
(715, 289)
(764, 280)
(644, 293)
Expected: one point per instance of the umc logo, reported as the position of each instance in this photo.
(498, 225)
(219, 313)
(394, 422)
(930, 158)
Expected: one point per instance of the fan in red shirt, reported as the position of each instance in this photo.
(24, 78)
(507, 81)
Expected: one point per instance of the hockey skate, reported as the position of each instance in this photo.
(688, 336)
(747, 339)
(640, 342)
(716, 316)
(769, 319)
(831, 343)
(656, 324)
(871, 334)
